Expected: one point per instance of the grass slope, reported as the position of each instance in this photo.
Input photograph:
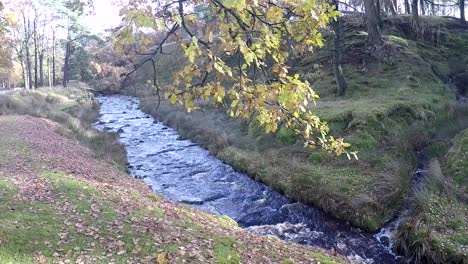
(60, 204)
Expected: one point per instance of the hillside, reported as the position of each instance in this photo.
(62, 202)
(398, 100)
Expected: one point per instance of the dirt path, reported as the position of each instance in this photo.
(63, 206)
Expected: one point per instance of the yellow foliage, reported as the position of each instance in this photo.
(238, 40)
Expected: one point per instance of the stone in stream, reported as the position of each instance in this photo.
(191, 200)
(262, 217)
(385, 240)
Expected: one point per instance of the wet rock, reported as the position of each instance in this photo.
(280, 230)
(192, 201)
(385, 240)
(261, 217)
(341, 246)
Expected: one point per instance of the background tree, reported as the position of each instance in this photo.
(338, 43)
(462, 11)
(374, 36)
(72, 12)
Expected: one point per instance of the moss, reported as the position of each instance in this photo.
(224, 251)
(226, 221)
(323, 259)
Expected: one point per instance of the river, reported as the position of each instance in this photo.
(184, 172)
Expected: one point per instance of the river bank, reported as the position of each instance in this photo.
(63, 201)
(184, 172)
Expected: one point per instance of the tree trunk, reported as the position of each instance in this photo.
(54, 82)
(414, 13)
(36, 59)
(462, 12)
(66, 65)
(338, 42)
(49, 74)
(378, 9)
(27, 33)
(422, 7)
(407, 7)
(415, 16)
(41, 69)
(23, 71)
(374, 36)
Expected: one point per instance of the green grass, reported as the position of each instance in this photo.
(323, 259)
(438, 231)
(457, 159)
(224, 251)
(30, 230)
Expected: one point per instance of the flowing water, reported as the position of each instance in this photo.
(184, 172)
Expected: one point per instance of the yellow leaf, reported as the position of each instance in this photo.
(173, 98)
(162, 258)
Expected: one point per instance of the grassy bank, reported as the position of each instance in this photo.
(63, 203)
(437, 232)
(74, 108)
(393, 102)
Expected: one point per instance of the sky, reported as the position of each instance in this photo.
(106, 16)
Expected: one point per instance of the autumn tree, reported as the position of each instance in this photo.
(241, 60)
(73, 10)
(6, 62)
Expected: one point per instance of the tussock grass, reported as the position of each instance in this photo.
(437, 232)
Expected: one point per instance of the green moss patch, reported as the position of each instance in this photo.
(224, 251)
